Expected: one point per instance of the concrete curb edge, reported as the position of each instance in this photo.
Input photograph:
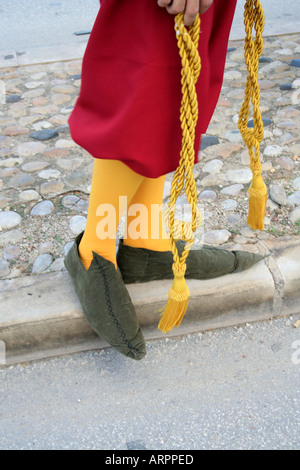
(41, 316)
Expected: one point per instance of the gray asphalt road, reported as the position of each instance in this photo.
(236, 388)
(25, 25)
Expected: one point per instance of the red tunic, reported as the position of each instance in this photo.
(129, 103)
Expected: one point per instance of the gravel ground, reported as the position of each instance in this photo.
(229, 389)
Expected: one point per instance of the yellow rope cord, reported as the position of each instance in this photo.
(254, 18)
(188, 41)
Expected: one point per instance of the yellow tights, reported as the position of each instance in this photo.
(117, 189)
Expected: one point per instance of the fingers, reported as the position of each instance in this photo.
(189, 7)
(191, 12)
(164, 3)
(173, 7)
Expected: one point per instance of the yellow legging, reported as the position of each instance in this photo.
(117, 189)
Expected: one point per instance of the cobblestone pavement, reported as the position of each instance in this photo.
(45, 177)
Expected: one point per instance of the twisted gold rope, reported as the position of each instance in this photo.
(187, 41)
(253, 18)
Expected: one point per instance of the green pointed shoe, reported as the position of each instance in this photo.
(106, 302)
(143, 265)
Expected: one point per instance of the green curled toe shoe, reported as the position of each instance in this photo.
(142, 265)
(106, 302)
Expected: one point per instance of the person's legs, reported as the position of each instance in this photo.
(145, 227)
(113, 183)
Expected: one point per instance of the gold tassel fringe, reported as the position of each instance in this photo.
(177, 303)
(257, 203)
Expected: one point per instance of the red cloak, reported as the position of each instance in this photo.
(128, 108)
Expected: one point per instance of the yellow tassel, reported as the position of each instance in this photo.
(257, 203)
(177, 302)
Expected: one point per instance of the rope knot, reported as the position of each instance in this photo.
(179, 270)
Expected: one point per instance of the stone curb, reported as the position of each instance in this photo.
(41, 316)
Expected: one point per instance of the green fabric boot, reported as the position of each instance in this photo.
(142, 265)
(106, 302)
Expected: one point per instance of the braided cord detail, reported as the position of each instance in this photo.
(187, 41)
(254, 18)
